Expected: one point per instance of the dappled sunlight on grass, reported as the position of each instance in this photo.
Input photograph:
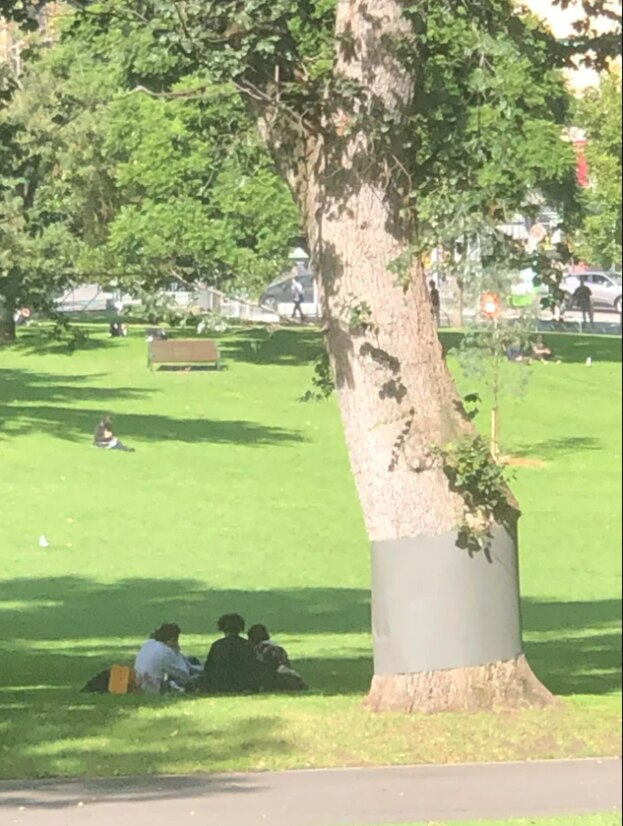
(239, 498)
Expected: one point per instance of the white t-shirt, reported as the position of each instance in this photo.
(153, 661)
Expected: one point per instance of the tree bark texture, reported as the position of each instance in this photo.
(495, 687)
(396, 395)
(7, 323)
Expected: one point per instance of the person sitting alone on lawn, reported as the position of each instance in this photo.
(231, 666)
(160, 666)
(514, 352)
(104, 436)
(276, 673)
(541, 352)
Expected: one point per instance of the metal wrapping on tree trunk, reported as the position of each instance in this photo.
(435, 606)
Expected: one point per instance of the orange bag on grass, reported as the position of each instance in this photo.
(122, 680)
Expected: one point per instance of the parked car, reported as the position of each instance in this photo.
(604, 286)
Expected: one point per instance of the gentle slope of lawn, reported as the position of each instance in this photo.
(239, 498)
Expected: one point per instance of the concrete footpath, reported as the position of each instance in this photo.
(341, 797)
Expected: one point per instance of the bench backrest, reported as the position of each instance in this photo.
(183, 350)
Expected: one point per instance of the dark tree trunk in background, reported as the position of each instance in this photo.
(7, 323)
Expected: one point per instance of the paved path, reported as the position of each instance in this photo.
(349, 797)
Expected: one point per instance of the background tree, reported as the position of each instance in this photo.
(37, 244)
(599, 113)
(147, 190)
(199, 197)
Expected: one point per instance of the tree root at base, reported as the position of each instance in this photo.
(496, 687)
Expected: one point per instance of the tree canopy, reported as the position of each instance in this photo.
(599, 112)
(129, 187)
(486, 78)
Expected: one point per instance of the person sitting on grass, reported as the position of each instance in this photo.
(117, 329)
(160, 666)
(541, 351)
(231, 666)
(104, 436)
(276, 673)
(514, 352)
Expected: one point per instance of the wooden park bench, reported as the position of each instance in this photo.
(186, 351)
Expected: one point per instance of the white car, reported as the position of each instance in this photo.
(605, 288)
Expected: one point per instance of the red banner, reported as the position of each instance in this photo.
(582, 164)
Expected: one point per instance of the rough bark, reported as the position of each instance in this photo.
(7, 323)
(395, 392)
(495, 687)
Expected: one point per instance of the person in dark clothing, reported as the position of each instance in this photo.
(514, 352)
(117, 329)
(104, 436)
(155, 333)
(276, 673)
(435, 301)
(583, 299)
(231, 666)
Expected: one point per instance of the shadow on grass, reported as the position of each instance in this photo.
(38, 342)
(283, 347)
(58, 632)
(33, 386)
(571, 348)
(77, 423)
(70, 742)
(553, 448)
(573, 646)
(575, 349)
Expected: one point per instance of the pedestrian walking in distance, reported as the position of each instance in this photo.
(297, 297)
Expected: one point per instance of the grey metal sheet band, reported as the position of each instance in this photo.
(436, 607)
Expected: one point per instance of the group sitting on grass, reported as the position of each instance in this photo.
(538, 351)
(234, 665)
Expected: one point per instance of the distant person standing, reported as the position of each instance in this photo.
(435, 301)
(583, 299)
(298, 293)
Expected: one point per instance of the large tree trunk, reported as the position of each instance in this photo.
(446, 624)
(7, 322)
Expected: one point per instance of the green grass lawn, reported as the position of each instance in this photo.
(239, 498)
